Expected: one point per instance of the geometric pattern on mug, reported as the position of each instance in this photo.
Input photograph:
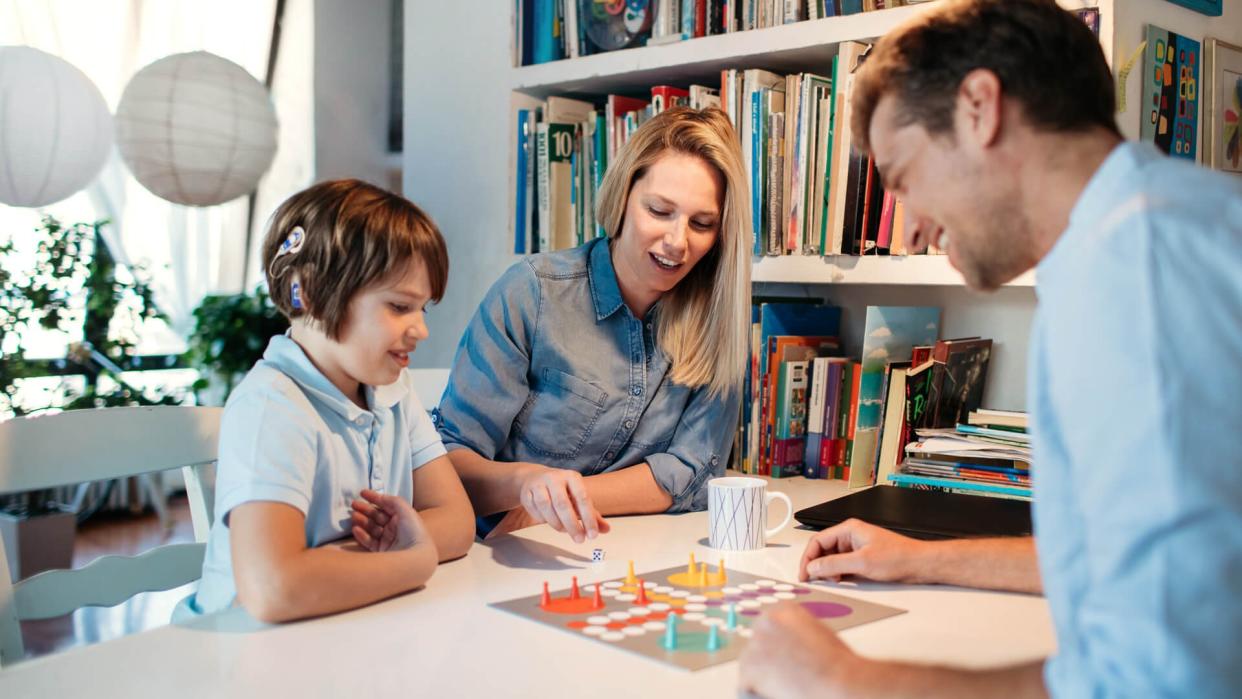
(738, 518)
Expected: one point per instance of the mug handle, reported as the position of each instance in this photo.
(788, 512)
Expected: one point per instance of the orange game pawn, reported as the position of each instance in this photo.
(642, 593)
(598, 602)
(573, 591)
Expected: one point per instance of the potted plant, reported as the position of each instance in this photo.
(230, 334)
(71, 283)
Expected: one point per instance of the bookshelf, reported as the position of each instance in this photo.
(462, 86)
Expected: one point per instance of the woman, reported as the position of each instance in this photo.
(605, 379)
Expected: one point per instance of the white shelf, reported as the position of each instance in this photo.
(912, 270)
(801, 46)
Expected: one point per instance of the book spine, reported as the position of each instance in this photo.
(543, 173)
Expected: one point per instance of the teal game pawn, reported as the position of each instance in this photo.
(670, 633)
(731, 620)
(713, 638)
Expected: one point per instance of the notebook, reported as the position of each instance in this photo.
(924, 514)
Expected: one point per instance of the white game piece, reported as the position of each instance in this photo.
(608, 593)
(765, 583)
(639, 611)
(626, 597)
(595, 630)
(785, 595)
(662, 589)
(749, 587)
(613, 636)
(598, 620)
(633, 631)
(768, 599)
(693, 616)
(622, 616)
(696, 607)
(650, 585)
(731, 590)
(696, 598)
(713, 621)
(679, 593)
(654, 626)
(744, 631)
(658, 607)
(749, 604)
(612, 584)
(783, 587)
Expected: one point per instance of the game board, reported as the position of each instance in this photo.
(713, 611)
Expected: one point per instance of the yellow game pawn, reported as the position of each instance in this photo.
(629, 578)
(703, 575)
(692, 568)
(722, 578)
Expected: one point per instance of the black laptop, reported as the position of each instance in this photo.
(924, 514)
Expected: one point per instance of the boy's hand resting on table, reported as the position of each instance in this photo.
(386, 523)
(559, 497)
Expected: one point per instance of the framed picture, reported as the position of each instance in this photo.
(1171, 93)
(1222, 106)
(1091, 17)
(1211, 8)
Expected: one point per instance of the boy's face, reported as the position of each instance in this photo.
(384, 324)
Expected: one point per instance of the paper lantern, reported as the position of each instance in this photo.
(55, 129)
(196, 129)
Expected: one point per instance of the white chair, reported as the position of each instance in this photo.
(88, 445)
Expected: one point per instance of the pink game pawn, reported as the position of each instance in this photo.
(642, 593)
(599, 598)
(547, 598)
(573, 591)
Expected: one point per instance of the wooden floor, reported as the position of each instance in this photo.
(115, 534)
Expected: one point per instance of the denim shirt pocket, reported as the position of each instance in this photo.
(560, 414)
(655, 431)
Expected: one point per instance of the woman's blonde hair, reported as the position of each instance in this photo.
(703, 323)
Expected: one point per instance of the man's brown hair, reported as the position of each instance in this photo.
(1045, 57)
(356, 236)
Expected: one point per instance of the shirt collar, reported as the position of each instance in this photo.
(604, 290)
(288, 356)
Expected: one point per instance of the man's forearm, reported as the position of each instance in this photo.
(629, 491)
(884, 680)
(1008, 564)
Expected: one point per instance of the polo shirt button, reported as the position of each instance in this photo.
(629, 424)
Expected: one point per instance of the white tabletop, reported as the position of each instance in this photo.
(446, 641)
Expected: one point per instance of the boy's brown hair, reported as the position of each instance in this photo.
(1045, 57)
(356, 236)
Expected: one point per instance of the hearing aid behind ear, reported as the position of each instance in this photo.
(295, 294)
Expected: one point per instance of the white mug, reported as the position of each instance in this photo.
(737, 509)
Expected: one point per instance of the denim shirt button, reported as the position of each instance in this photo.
(609, 455)
(629, 424)
(715, 460)
(638, 391)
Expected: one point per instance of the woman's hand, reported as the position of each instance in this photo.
(386, 522)
(559, 497)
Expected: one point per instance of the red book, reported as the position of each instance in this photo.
(666, 97)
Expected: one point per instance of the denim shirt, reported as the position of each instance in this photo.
(554, 369)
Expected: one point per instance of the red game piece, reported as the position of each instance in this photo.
(547, 598)
(573, 591)
(599, 599)
(642, 593)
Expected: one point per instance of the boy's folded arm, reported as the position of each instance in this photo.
(442, 503)
(280, 579)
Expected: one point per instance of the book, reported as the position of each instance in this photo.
(892, 428)
(998, 418)
(961, 368)
(555, 173)
(790, 436)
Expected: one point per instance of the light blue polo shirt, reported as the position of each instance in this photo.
(289, 435)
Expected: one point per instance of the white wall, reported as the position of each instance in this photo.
(351, 91)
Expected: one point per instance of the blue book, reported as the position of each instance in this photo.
(851, 7)
(830, 8)
(907, 480)
(520, 231)
(547, 34)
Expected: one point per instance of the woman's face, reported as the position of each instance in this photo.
(672, 219)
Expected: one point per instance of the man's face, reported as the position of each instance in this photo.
(955, 195)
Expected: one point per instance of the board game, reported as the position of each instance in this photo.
(687, 616)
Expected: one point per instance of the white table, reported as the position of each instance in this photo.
(444, 641)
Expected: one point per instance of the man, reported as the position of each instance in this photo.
(993, 121)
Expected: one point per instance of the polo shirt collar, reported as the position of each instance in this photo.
(289, 357)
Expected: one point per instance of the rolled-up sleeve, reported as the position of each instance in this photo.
(488, 385)
(699, 450)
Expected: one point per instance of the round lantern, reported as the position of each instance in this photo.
(55, 129)
(196, 129)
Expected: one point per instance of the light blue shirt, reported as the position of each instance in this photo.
(289, 435)
(1134, 391)
(554, 369)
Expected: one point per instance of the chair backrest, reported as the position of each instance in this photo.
(429, 385)
(89, 445)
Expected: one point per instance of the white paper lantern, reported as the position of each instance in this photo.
(196, 129)
(55, 129)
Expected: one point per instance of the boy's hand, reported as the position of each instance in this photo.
(386, 522)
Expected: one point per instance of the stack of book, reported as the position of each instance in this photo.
(550, 30)
(989, 455)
